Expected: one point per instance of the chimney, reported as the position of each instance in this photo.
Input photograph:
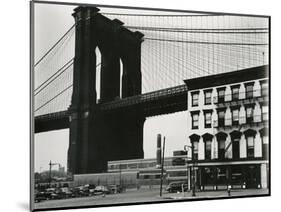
(158, 151)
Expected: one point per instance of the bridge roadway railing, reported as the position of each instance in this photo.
(53, 116)
(119, 103)
(143, 98)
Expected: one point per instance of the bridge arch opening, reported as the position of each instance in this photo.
(98, 73)
(120, 81)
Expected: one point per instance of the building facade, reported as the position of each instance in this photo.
(228, 118)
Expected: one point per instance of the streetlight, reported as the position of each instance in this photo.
(50, 171)
(186, 148)
(120, 176)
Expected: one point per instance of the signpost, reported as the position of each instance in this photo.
(162, 167)
(186, 147)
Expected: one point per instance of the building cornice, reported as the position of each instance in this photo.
(227, 78)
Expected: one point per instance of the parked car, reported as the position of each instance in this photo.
(65, 192)
(177, 187)
(40, 196)
(101, 190)
(114, 189)
(79, 192)
(52, 193)
(88, 189)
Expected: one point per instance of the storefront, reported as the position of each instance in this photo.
(219, 177)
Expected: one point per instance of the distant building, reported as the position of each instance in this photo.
(139, 173)
(228, 128)
(62, 169)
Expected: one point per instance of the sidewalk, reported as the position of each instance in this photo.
(214, 194)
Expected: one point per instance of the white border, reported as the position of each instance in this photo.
(14, 88)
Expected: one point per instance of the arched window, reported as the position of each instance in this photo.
(98, 73)
(194, 139)
(249, 89)
(235, 140)
(235, 92)
(121, 75)
(250, 136)
(207, 138)
(265, 143)
(221, 137)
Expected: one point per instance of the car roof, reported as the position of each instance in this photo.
(178, 182)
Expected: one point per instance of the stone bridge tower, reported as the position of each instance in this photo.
(95, 136)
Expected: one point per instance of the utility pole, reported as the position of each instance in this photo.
(193, 177)
(193, 164)
(193, 172)
(162, 166)
(188, 181)
(50, 173)
(120, 176)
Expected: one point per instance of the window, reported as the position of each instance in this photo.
(235, 92)
(264, 88)
(235, 148)
(250, 146)
(236, 175)
(264, 110)
(195, 99)
(177, 174)
(123, 166)
(208, 149)
(249, 114)
(132, 166)
(265, 149)
(195, 150)
(143, 165)
(208, 119)
(208, 176)
(207, 138)
(194, 139)
(221, 151)
(195, 120)
(221, 93)
(146, 176)
(235, 116)
(178, 162)
(221, 176)
(208, 97)
(249, 90)
(221, 114)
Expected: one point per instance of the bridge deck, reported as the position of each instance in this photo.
(144, 98)
(154, 103)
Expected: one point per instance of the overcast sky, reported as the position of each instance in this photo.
(52, 21)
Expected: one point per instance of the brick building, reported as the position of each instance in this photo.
(228, 129)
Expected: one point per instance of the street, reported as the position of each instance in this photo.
(142, 195)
